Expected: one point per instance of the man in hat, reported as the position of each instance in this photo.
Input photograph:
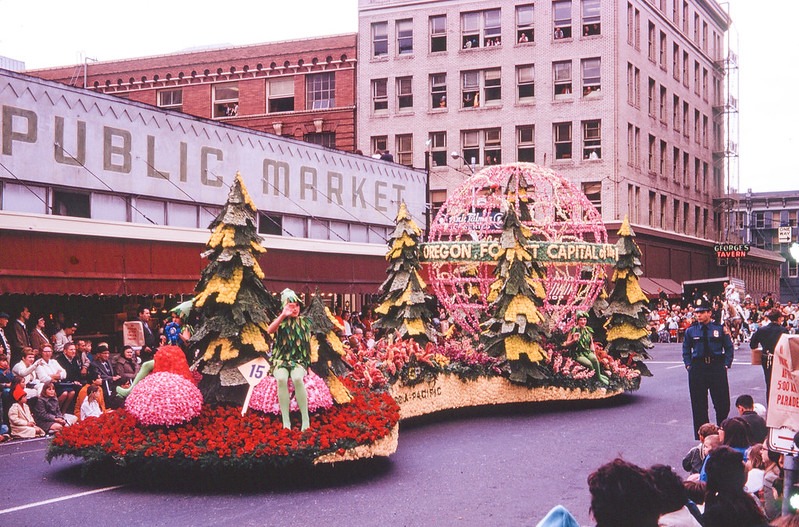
(291, 355)
(766, 338)
(707, 352)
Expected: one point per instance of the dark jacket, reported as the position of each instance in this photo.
(72, 367)
(719, 344)
(757, 425)
(45, 410)
(767, 337)
(127, 368)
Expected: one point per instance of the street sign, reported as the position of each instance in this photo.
(781, 440)
(784, 234)
(254, 371)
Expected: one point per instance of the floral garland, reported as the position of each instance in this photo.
(220, 438)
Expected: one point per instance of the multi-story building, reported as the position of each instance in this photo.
(303, 89)
(617, 96)
(770, 221)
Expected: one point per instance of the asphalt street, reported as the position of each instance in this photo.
(504, 465)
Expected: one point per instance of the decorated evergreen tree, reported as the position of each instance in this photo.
(233, 305)
(514, 330)
(403, 303)
(596, 315)
(327, 350)
(628, 336)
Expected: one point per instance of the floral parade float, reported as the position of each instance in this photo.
(511, 258)
(227, 412)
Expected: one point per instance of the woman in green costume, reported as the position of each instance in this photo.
(291, 355)
(581, 340)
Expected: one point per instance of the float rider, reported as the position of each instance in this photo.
(291, 355)
(581, 340)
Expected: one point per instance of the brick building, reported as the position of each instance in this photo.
(303, 89)
(623, 98)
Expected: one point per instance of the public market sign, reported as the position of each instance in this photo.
(487, 251)
(728, 250)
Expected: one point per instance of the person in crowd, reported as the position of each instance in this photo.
(26, 371)
(72, 364)
(674, 510)
(727, 504)
(84, 393)
(50, 370)
(695, 458)
(91, 407)
(745, 405)
(346, 316)
(126, 365)
(386, 156)
(38, 337)
(370, 339)
(150, 338)
(755, 469)
(101, 367)
(46, 412)
(624, 495)
(707, 353)
(735, 434)
(20, 417)
(63, 336)
(695, 492)
(84, 349)
(18, 336)
(766, 338)
(3, 340)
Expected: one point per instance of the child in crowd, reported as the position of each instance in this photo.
(21, 418)
(693, 460)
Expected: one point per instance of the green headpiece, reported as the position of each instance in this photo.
(580, 314)
(288, 296)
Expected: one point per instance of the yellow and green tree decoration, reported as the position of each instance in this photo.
(232, 303)
(327, 350)
(404, 306)
(627, 333)
(514, 330)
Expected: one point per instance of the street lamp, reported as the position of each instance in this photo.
(454, 155)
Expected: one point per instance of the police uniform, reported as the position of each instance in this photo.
(707, 353)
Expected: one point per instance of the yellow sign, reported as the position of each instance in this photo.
(485, 251)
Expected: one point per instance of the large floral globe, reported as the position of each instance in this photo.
(559, 212)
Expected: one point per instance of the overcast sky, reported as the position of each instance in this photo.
(50, 33)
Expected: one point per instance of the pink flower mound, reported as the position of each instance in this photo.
(264, 395)
(164, 399)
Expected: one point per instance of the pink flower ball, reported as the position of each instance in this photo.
(164, 398)
(264, 395)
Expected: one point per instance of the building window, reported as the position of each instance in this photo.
(405, 149)
(281, 95)
(470, 139)
(438, 33)
(592, 80)
(685, 159)
(525, 82)
(379, 144)
(404, 93)
(562, 73)
(676, 113)
(438, 90)
(563, 140)
(662, 159)
(663, 104)
(481, 28)
(525, 32)
(591, 21)
(651, 94)
(651, 41)
(652, 204)
(675, 165)
(493, 147)
(562, 13)
(489, 141)
(404, 37)
(491, 84)
(525, 144)
(320, 91)
(696, 77)
(675, 64)
(663, 212)
(380, 95)
(630, 21)
(326, 139)
(471, 89)
(71, 204)
(593, 191)
(686, 129)
(438, 149)
(686, 79)
(270, 223)
(226, 100)
(437, 200)
(697, 134)
(592, 140)
(663, 51)
(696, 28)
(704, 131)
(704, 83)
(379, 39)
(684, 17)
(651, 155)
(171, 99)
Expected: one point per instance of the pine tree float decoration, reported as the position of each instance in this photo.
(514, 330)
(628, 336)
(596, 315)
(233, 305)
(403, 303)
(327, 350)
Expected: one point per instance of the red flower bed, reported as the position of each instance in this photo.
(220, 437)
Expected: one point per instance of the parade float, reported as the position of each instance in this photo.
(515, 262)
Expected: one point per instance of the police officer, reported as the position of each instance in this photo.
(707, 353)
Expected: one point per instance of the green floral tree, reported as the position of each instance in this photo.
(233, 305)
(514, 329)
(327, 350)
(627, 333)
(403, 303)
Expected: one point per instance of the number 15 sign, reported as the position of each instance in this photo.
(254, 371)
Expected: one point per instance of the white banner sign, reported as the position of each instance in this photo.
(784, 235)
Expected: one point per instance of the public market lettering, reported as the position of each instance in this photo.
(20, 126)
(485, 251)
(728, 250)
